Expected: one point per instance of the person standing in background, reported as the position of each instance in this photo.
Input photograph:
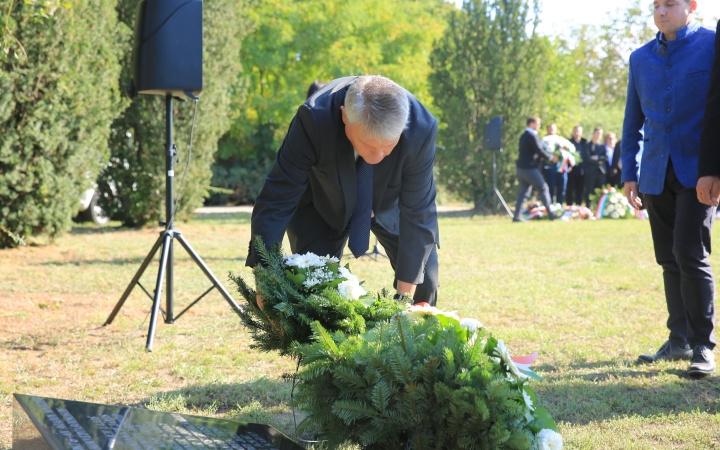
(613, 154)
(595, 163)
(667, 86)
(576, 178)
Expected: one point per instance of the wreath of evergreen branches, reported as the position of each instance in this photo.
(414, 384)
(288, 311)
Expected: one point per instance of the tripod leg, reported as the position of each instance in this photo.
(237, 308)
(507, 208)
(134, 281)
(167, 240)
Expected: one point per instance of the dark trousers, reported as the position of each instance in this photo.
(575, 186)
(527, 180)
(308, 232)
(681, 227)
(594, 179)
(557, 193)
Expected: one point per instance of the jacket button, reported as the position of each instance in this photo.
(668, 129)
(668, 88)
(669, 66)
(667, 110)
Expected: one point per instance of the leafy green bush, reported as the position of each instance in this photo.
(58, 97)
(133, 184)
(288, 309)
(245, 180)
(418, 383)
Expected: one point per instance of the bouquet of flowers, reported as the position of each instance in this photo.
(295, 291)
(611, 204)
(423, 379)
(562, 148)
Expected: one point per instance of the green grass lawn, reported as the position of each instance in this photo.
(586, 295)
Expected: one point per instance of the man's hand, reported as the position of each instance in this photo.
(406, 288)
(708, 190)
(555, 159)
(631, 193)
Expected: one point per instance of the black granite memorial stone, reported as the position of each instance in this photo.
(41, 423)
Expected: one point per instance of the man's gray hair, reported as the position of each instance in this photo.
(379, 104)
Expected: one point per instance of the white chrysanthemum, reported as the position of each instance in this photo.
(615, 215)
(351, 289)
(347, 274)
(549, 440)
(613, 199)
(471, 324)
(504, 354)
(329, 258)
(529, 408)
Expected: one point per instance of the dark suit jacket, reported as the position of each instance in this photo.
(531, 152)
(315, 167)
(709, 157)
(614, 173)
(593, 165)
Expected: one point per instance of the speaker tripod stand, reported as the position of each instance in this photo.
(165, 272)
(495, 192)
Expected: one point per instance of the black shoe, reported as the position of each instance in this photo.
(516, 220)
(703, 361)
(668, 352)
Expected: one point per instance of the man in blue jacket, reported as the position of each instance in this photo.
(668, 83)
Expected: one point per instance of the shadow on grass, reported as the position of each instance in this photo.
(94, 229)
(181, 258)
(232, 218)
(260, 401)
(581, 398)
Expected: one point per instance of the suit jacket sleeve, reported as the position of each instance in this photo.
(633, 122)
(286, 182)
(418, 214)
(709, 157)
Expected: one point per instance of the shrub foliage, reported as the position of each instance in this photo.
(58, 97)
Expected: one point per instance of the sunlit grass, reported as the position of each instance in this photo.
(587, 295)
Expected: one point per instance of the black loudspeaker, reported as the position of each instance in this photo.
(493, 135)
(167, 49)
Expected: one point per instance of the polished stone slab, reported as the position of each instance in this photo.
(41, 423)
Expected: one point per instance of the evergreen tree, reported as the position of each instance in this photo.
(488, 63)
(58, 97)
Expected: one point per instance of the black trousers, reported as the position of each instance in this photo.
(594, 179)
(681, 228)
(308, 232)
(575, 186)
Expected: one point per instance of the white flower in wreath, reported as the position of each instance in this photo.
(472, 325)
(328, 258)
(351, 289)
(304, 261)
(504, 354)
(346, 274)
(529, 408)
(549, 440)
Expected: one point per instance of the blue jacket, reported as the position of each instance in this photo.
(667, 86)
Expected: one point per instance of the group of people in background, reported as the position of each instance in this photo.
(571, 177)
(596, 164)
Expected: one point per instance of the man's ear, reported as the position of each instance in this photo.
(344, 116)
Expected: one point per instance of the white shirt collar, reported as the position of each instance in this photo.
(532, 130)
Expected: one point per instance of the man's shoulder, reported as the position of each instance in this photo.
(645, 50)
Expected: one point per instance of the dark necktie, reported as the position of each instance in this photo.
(359, 239)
